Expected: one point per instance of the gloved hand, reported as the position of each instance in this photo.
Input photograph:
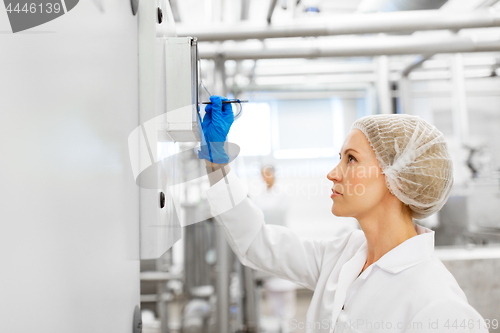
(216, 124)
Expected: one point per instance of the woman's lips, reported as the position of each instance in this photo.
(335, 194)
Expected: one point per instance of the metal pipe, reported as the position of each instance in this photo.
(366, 78)
(220, 87)
(251, 302)
(353, 83)
(195, 316)
(222, 286)
(245, 7)
(328, 67)
(223, 266)
(460, 112)
(420, 59)
(417, 62)
(383, 85)
(364, 47)
(257, 93)
(405, 95)
(270, 12)
(348, 25)
(265, 96)
(308, 88)
(317, 79)
(308, 69)
(404, 85)
(395, 5)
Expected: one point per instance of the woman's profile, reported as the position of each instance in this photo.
(383, 278)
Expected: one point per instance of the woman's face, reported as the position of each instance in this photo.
(267, 175)
(357, 179)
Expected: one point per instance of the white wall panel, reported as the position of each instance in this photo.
(69, 206)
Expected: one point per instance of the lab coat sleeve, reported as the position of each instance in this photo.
(274, 249)
(450, 316)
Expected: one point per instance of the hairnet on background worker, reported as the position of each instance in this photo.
(382, 278)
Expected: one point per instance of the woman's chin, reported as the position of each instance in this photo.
(336, 211)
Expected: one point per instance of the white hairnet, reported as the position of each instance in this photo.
(414, 158)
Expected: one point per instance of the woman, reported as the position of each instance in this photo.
(383, 278)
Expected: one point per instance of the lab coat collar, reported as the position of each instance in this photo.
(409, 253)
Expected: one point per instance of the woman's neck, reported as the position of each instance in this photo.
(385, 230)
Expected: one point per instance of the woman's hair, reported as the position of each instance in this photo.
(414, 158)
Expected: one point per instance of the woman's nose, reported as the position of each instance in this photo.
(334, 175)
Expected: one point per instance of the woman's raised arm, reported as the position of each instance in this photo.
(270, 248)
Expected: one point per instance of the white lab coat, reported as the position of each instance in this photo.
(407, 290)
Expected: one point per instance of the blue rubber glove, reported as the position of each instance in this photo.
(216, 124)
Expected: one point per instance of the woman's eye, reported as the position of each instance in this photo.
(349, 158)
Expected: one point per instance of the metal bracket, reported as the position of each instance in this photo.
(135, 6)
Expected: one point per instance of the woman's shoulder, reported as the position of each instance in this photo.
(432, 278)
(448, 315)
(435, 293)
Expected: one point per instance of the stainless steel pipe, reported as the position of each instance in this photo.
(349, 25)
(359, 47)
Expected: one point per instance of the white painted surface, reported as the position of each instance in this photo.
(468, 253)
(69, 245)
(159, 227)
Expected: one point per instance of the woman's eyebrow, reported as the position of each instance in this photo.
(348, 149)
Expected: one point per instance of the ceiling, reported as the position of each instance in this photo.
(230, 11)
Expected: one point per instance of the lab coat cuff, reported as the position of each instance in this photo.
(226, 194)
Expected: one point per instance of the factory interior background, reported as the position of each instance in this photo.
(104, 218)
